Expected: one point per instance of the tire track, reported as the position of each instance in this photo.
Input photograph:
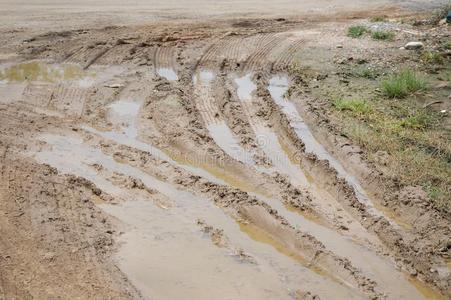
(37, 94)
(383, 272)
(69, 99)
(287, 56)
(259, 59)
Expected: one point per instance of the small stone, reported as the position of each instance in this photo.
(414, 46)
(339, 46)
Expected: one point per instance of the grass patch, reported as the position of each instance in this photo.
(367, 73)
(419, 119)
(357, 106)
(357, 31)
(447, 45)
(379, 19)
(383, 35)
(418, 152)
(402, 84)
(407, 142)
(432, 57)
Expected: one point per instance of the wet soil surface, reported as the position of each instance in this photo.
(171, 162)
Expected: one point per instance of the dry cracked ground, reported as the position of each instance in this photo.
(175, 151)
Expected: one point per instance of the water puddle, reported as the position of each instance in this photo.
(166, 256)
(124, 116)
(45, 72)
(273, 149)
(168, 73)
(223, 137)
(218, 129)
(245, 87)
(278, 86)
(267, 139)
(125, 113)
(203, 77)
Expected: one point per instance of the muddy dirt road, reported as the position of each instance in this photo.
(170, 161)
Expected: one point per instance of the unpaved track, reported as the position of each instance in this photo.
(165, 161)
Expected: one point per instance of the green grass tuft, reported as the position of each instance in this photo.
(357, 31)
(432, 57)
(383, 35)
(379, 19)
(402, 84)
(357, 106)
(366, 73)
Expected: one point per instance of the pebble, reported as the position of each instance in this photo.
(414, 46)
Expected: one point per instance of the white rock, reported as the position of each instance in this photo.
(414, 45)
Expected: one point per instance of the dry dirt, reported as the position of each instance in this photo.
(164, 159)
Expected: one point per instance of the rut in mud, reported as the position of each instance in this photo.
(219, 184)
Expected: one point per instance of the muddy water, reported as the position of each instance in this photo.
(266, 138)
(45, 72)
(167, 256)
(123, 115)
(394, 283)
(218, 129)
(245, 87)
(223, 137)
(278, 86)
(168, 73)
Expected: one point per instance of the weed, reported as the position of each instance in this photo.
(401, 84)
(379, 19)
(447, 45)
(357, 31)
(383, 35)
(432, 57)
(357, 106)
(437, 194)
(414, 122)
(367, 73)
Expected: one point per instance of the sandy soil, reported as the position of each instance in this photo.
(162, 159)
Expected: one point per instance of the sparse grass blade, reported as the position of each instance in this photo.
(357, 31)
(383, 35)
(379, 19)
(357, 106)
(432, 57)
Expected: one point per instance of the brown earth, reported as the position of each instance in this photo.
(192, 159)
